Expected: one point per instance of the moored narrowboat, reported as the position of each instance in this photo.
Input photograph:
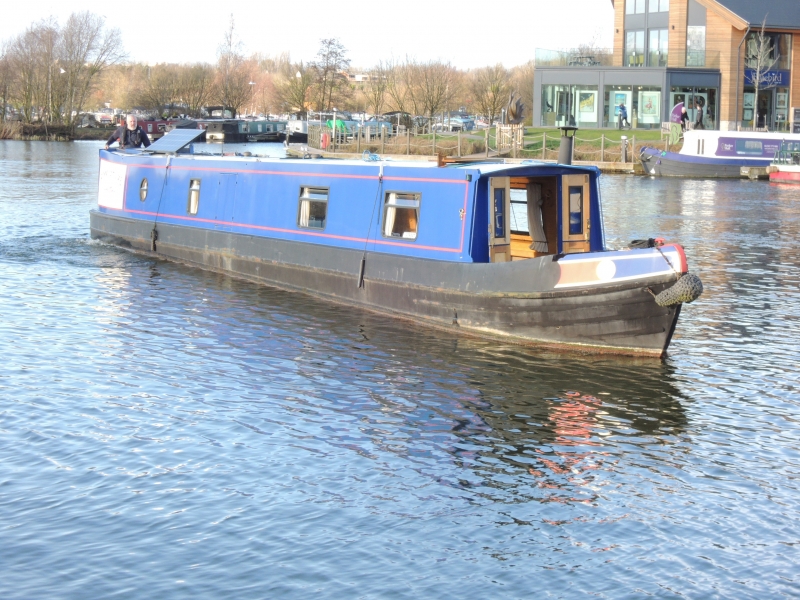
(717, 154)
(509, 251)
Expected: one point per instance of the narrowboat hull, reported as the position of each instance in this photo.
(483, 299)
(659, 163)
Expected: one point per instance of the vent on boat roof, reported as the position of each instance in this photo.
(175, 140)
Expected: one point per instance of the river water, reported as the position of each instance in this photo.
(167, 432)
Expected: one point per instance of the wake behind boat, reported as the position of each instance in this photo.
(510, 251)
(715, 154)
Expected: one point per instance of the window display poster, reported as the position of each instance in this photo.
(749, 100)
(620, 98)
(781, 101)
(587, 107)
(650, 107)
(586, 101)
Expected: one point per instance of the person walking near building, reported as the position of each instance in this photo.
(130, 135)
(698, 119)
(623, 116)
(684, 118)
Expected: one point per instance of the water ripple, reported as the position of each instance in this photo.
(170, 432)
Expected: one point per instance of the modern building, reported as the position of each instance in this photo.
(700, 52)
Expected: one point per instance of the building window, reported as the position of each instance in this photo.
(143, 190)
(401, 215)
(700, 105)
(644, 105)
(657, 6)
(574, 105)
(659, 47)
(194, 196)
(696, 46)
(313, 207)
(635, 7)
(634, 48)
(575, 209)
(780, 45)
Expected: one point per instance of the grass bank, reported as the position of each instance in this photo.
(14, 130)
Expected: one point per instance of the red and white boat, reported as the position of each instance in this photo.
(785, 168)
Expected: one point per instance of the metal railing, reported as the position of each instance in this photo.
(597, 57)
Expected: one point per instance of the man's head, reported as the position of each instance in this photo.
(132, 122)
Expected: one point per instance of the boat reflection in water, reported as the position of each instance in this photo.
(498, 422)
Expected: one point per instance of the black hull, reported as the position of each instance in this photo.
(296, 137)
(275, 136)
(618, 319)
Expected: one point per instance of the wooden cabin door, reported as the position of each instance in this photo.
(575, 225)
(499, 211)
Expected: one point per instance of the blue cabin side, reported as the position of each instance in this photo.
(389, 207)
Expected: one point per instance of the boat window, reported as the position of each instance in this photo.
(194, 196)
(313, 207)
(143, 190)
(401, 215)
(575, 209)
(519, 211)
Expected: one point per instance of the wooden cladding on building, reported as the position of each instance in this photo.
(678, 15)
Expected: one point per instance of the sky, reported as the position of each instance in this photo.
(468, 34)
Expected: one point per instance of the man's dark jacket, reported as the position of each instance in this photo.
(128, 138)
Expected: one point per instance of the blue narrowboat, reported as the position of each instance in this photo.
(514, 251)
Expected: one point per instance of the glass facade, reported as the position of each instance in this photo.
(700, 103)
(770, 109)
(572, 105)
(658, 48)
(634, 48)
(643, 104)
(778, 51)
(635, 7)
(696, 46)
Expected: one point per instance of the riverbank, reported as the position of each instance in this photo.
(612, 167)
(14, 130)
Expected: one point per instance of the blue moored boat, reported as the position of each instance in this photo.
(510, 251)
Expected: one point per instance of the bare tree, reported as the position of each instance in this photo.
(86, 50)
(233, 73)
(396, 86)
(375, 88)
(490, 86)
(23, 61)
(761, 58)
(195, 87)
(330, 62)
(293, 87)
(431, 85)
(158, 90)
(5, 80)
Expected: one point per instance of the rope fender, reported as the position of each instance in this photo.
(687, 289)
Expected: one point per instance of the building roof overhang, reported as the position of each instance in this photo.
(741, 14)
